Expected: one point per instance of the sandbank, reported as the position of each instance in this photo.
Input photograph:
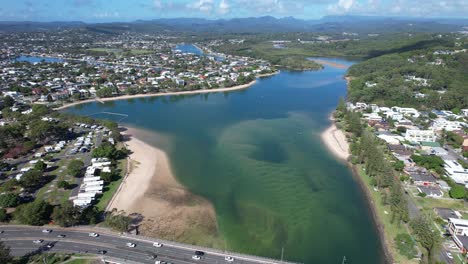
(336, 142)
(331, 63)
(168, 210)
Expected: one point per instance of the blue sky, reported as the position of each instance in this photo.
(129, 10)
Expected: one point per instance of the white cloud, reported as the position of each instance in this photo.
(343, 6)
(202, 5)
(223, 7)
(157, 4)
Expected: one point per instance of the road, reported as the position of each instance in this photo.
(20, 240)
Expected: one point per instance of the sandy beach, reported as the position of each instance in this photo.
(168, 209)
(123, 97)
(331, 63)
(336, 142)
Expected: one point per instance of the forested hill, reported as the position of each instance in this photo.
(265, 24)
(426, 77)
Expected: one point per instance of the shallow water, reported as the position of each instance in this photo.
(256, 154)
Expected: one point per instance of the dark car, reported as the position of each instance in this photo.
(102, 252)
(151, 256)
(199, 253)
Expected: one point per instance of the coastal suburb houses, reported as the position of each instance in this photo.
(432, 148)
(459, 230)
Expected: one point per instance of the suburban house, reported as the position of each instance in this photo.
(456, 171)
(431, 191)
(458, 228)
(417, 136)
(446, 213)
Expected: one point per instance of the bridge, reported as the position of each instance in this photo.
(112, 247)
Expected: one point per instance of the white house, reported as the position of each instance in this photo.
(444, 124)
(411, 112)
(456, 171)
(413, 135)
(459, 230)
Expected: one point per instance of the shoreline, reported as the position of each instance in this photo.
(335, 141)
(167, 209)
(201, 91)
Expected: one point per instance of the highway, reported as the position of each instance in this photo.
(20, 240)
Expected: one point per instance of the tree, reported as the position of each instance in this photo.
(40, 110)
(62, 184)
(5, 256)
(457, 192)
(399, 165)
(75, 167)
(40, 166)
(428, 237)
(108, 176)
(9, 200)
(35, 213)
(66, 215)
(31, 179)
(105, 150)
(3, 215)
(8, 101)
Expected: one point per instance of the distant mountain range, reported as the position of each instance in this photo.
(265, 24)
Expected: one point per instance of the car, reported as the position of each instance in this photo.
(130, 245)
(46, 231)
(61, 236)
(1, 231)
(156, 244)
(196, 257)
(449, 255)
(93, 234)
(38, 241)
(229, 259)
(151, 256)
(50, 245)
(102, 252)
(199, 253)
(157, 262)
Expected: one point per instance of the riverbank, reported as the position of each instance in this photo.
(336, 142)
(123, 97)
(168, 210)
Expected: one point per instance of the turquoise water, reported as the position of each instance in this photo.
(33, 59)
(188, 48)
(256, 154)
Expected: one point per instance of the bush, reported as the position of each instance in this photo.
(457, 192)
(62, 184)
(118, 221)
(9, 200)
(40, 166)
(405, 245)
(3, 215)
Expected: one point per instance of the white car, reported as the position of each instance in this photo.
(449, 255)
(195, 257)
(93, 234)
(229, 259)
(38, 241)
(156, 244)
(130, 245)
(46, 231)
